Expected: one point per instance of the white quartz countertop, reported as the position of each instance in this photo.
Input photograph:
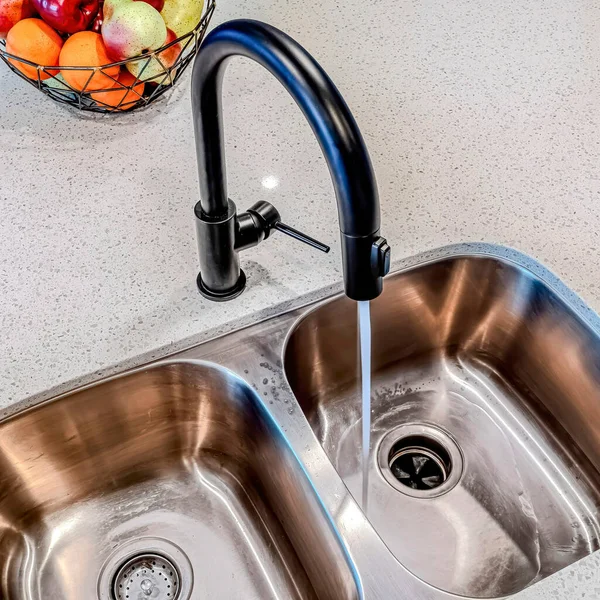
(483, 123)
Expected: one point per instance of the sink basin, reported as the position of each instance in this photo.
(171, 482)
(485, 451)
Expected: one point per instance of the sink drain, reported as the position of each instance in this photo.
(149, 576)
(420, 460)
(146, 568)
(419, 467)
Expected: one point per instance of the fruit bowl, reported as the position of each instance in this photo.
(126, 85)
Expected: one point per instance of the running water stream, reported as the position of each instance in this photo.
(364, 326)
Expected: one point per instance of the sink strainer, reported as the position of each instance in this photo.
(418, 467)
(420, 460)
(148, 575)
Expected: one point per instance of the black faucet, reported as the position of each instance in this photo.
(222, 233)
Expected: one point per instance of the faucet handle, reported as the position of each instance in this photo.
(302, 237)
(259, 220)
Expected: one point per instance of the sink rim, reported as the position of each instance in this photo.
(503, 254)
(121, 374)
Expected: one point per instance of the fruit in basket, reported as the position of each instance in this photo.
(108, 7)
(182, 15)
(155, 67)
(67, 16)
(121, 97)
(87, 49)
(36, 41)
(132, 29)
(57, 82)
(13, 11)
(96, 24)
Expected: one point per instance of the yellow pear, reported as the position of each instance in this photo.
(182, 15)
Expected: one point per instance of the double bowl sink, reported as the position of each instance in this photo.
(233, 469)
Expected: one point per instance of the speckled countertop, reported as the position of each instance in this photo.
(483, 124)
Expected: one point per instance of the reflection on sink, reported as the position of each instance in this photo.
(486, 403)
(176, 473)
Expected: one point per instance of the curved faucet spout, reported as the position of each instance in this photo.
(365, 254)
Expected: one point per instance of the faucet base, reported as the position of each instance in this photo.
(234, 292)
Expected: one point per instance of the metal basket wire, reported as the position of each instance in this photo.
(155, 73)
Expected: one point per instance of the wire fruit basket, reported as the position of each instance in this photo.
(149, 75)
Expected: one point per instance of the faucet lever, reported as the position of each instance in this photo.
(302, 237)
(256, 224)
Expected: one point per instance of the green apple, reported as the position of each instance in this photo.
(182, 15)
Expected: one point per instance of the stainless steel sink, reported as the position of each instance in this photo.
(168, 483)
(236, 478)
(484, 473)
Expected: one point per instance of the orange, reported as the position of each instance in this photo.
(120, 97)
(86, 49)
(36, 41)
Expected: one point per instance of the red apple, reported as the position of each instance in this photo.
(68, 16)
(96, 25)
(157, 4)
(12, 11)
